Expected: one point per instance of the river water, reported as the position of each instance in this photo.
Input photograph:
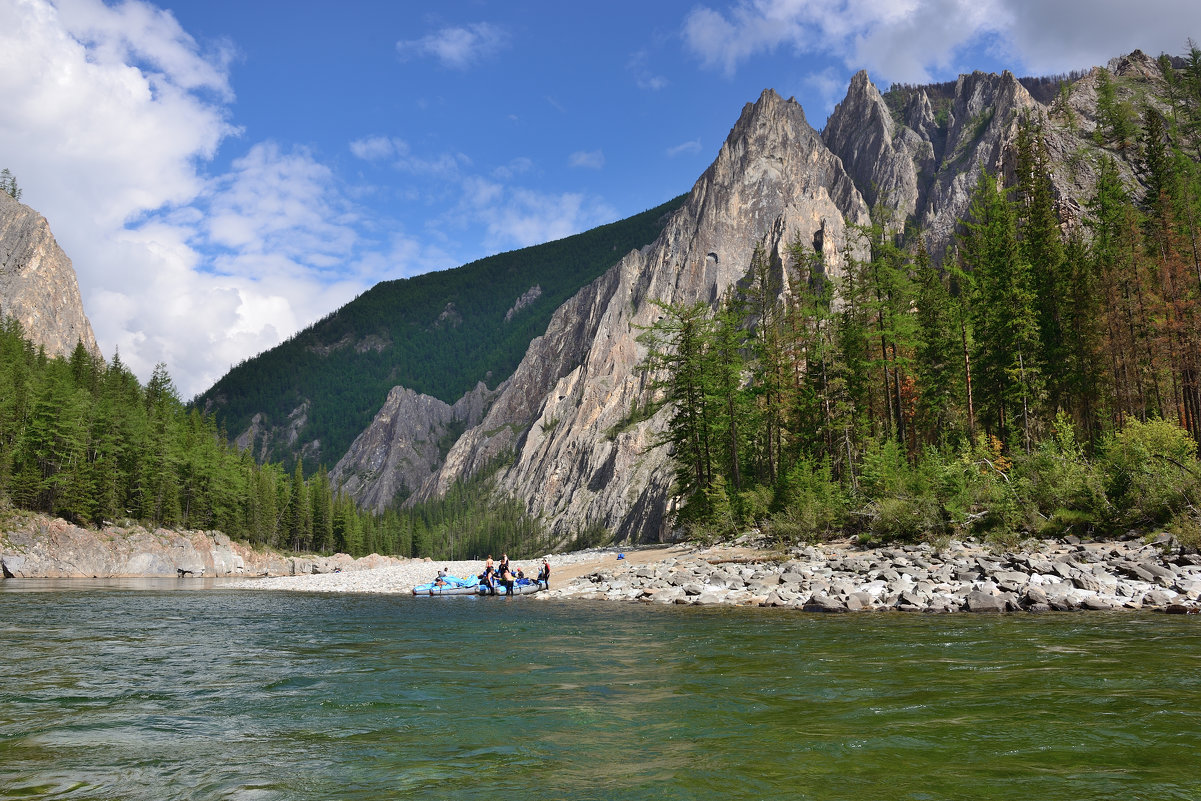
(138, 690)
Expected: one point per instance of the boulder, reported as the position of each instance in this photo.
(979, 601)
(824, 603)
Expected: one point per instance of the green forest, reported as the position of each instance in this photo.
(84, 440)
(1043, 383)
(1044, 380)
(438, 334)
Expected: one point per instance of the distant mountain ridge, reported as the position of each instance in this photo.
(438, 334)
(558, 434)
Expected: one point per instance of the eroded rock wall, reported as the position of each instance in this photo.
(38, 286)
(35, 546)
(562, 420)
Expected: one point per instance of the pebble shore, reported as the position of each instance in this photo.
(398, 578)
(840, 577)
(961, 577)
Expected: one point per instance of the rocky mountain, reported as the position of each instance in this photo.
(405, 443)
(38, 286)
(559, 434)
(563, 413)
(438, 334)
(919, 159)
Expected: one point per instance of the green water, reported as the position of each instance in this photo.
(112, 692)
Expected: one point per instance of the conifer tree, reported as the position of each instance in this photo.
(1004, 322)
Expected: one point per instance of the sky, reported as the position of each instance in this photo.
(224, 173)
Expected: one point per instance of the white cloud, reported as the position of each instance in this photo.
(520, 165)
(111, 113)
(691, 147)
(1056, 37)
(457, 47)
(914, 40)
(590, 159)
(523, 217)
(377, 148)
(280, 203)
(644, 76)
(830, 84)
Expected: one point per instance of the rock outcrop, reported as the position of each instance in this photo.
(35, 546)
(261, 437)
(560, 436)
(918, 164)
(962, 577)
(890, 163)
(38, 286)
(405, 443)
(563, 417)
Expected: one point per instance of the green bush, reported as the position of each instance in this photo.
(809, 504)
(1151, 472)
(1061, 486)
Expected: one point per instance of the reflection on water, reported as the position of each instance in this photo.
(108, 692)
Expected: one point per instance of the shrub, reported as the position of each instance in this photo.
(809, 504)
(1060, 484)
(1151, 472)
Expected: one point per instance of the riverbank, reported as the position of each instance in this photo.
(37, 546)
(968, 576)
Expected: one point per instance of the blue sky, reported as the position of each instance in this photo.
(224, 173)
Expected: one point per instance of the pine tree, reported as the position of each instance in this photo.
(1007, 378)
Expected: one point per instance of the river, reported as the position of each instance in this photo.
(143, 690)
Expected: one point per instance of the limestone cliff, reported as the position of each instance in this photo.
(405, 444)
(561, 418)
(38, 286)
(919, 165)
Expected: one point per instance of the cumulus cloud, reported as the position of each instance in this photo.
(916, 40)
(111, 114)
(459, 47)
(590, 159)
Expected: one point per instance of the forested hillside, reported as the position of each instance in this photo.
(85, 441)
(439, 334)
(1045, 380)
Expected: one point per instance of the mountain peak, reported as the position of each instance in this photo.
(38, 285)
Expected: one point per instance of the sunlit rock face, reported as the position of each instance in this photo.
(559, 437)
(38, 286)
(562, 419)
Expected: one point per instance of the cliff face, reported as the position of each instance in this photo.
(559, 427)
(405, 444)
(919, 164)
(562, 415)
(38, 286)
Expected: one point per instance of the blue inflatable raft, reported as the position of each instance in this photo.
(451, 585)
(520, 587)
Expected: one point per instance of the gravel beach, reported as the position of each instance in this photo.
(401, 578)
(837, 577)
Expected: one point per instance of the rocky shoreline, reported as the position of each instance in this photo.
(961, 577)
(35, 546)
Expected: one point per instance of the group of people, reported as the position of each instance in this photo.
(504, 574)
(501, 574)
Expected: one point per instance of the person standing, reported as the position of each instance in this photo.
(544, 573)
